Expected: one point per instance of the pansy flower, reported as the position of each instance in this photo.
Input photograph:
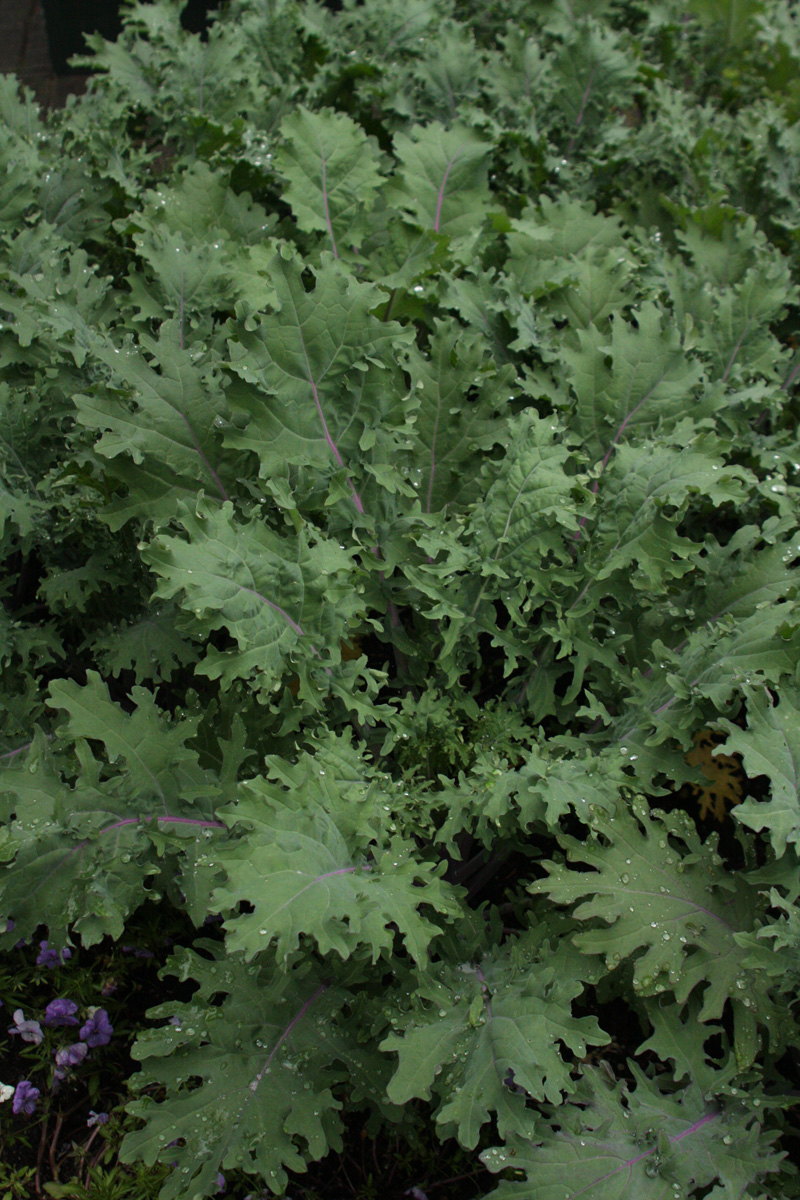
(61, 1012)
(137, 951)
(51, 958)
(98, 1029)
(29, 1031)
(25, 1097)
(70, 1056)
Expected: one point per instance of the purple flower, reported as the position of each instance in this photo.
(137, 952)
(70, 1056)
(221, 1184)
(98, 1029)
(25, 1097)
(51, 958)
(29, 1031)
(9, 925)
(96, 1118)
(61, 1012)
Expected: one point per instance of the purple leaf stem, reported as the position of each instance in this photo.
(174, 820)
(298, 629)
(656, 712)
(204, 460)
(663, 707)
(129, 821)
(180, 314)
(19, 749)
(790, 378)
(277, 608)
(184, 418)
(14, 753)
(646, 674)
(394, 615)
(487, 1000)
(294, 1021)
(325, 202)
(394, 619)
(319, 878)
(334, 449)
(440, 199)
(604, 463)
(433, 464)
(632, 1161)
(736, 350)
(693, 904)
(581, 111)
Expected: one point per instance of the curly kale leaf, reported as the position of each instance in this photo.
(611, 1140)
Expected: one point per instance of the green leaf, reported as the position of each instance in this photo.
(296, 869)
(664, 905)
(151, 647)
(735, 17)
(532, 504)
(72, 590)
(679, 1037)
(453, 431)
(280, 598)
(493, 1037)
(22, 507)
(573, 261)
(169, 439)
(151, 763)
(78, 852)
(399, 468)
(770, 746)
(643, 495)
(612, 1140)
(251, 1109)
(332, 173)
(442, 178)
(594, 67)
(200, 204)
(20, 119)
(187, 279)
(309, 358)
(639, 379)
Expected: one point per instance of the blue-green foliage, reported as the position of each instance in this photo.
(398, 466)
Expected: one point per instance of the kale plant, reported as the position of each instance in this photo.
(400, 471)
